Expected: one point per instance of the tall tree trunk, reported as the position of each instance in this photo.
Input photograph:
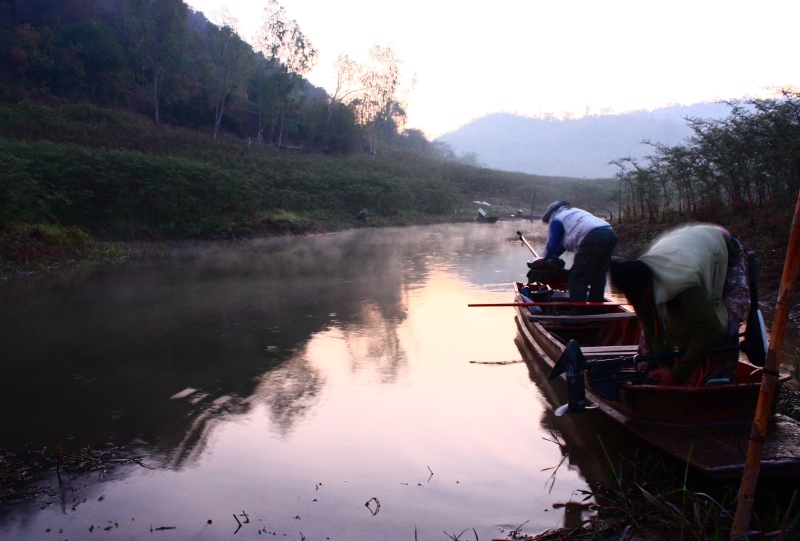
(219, 111)
(261, 124)
(280, 132)
(155, 97)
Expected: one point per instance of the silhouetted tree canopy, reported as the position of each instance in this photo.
(747, 164)
(162, 59)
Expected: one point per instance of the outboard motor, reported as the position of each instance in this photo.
(572, 363)
(604, 376)
(755, 337)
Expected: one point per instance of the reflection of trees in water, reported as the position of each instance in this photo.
(288, 392)
(373, 342)
(201, 425)
(98, 351)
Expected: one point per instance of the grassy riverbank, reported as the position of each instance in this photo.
(116, 176)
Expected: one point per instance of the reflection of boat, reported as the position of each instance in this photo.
(584, 435)
(707, 426)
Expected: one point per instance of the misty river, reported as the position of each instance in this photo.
(322, 387)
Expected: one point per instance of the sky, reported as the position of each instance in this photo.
(561, 57)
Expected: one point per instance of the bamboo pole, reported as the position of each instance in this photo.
(744, 508)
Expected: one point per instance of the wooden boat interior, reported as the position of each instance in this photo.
(613, 327)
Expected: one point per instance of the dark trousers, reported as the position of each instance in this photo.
(589, 268)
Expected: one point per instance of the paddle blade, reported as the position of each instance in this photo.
(561, 410)
(572, 357)
(755, 338)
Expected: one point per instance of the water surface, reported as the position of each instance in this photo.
(299, 381)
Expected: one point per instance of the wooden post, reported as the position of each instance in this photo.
(533, 203)
(744, 508)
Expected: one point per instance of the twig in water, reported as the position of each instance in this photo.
(514, 533)
(139, 462)
(457, 537)
(377, 506)
(552, 478)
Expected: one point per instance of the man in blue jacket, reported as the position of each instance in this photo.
(591, 239)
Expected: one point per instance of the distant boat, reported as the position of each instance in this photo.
(483, 218)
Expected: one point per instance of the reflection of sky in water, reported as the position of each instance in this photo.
(292, 377)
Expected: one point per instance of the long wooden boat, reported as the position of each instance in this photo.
(707, 426)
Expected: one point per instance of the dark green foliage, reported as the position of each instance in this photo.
(22, 197)
(163, 60)
(90, 60)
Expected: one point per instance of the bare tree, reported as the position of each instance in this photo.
(379, 105)
(347, 84)
(227, 54)
(160, 27)
(286, 49)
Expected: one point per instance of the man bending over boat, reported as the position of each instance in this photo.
(590, 238)
(689, 291)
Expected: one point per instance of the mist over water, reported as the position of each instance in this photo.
(295, 380)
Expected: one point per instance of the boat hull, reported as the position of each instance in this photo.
(707, 426)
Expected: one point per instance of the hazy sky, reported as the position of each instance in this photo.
(531, 57)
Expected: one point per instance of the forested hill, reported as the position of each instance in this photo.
(581, 147)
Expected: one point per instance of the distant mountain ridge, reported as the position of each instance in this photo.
(581, 147)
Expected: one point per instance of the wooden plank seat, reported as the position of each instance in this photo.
(595, 318)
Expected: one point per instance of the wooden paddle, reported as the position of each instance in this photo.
(528, 244)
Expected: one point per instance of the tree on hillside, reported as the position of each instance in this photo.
(347, 84)
(31, 56)
(286, 54)
(96, 62)
(228, 55)
(379, 107)
(159, 28)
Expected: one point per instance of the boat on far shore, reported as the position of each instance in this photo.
(482, 217)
